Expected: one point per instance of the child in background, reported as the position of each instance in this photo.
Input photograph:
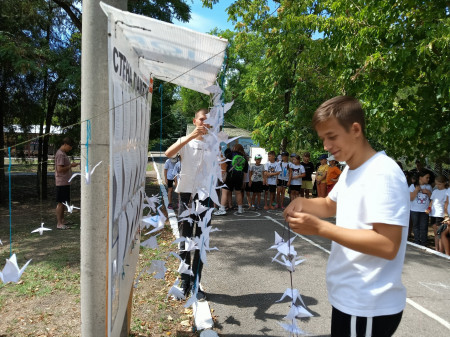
(168, 177)
(296, 173)
(436, 208)
(307, 184)
(246, 188)
(272, 169)
(420, 194)
(321, 177)
(283, 178)
(255, 183)
(332, 174)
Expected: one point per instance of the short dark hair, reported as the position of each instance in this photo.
(202, 111)
(347, 110)
(69, 141)
(272, 153)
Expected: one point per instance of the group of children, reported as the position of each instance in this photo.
(430, 206)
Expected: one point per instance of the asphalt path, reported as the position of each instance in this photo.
(243, 284)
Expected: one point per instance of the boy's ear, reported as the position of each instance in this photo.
(356, 129)
(193, 120)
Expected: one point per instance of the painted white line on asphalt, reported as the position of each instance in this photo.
(231, 220)
(300, 236)
(408, 300)
(428, 250)
(428, 313)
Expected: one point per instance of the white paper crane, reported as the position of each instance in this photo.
(87, 175)
(152, 202)
(1, 243)
(158, 267)
(150, 243)
(176, 291)
(289, 263)
(297, 311)
(41, 229)
(294, 294)
(292, 328)
(183, 267)
(70, 208)
(11, 272)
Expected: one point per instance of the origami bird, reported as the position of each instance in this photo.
(87, 175)
(1, 243)
(292, 328)
(152, 202)
(150, 243)
(189, 245)
(176, 291)
(11, 271)
(294, 294)
(289, 263)
(161, 221)
(158, 267)
(297, 311)
(184, 267)
(41, 229)
(69, 208)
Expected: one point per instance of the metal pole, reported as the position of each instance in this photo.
(94, 197)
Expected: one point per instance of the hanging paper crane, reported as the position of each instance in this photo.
(41, 229)
(87, 175)
(11, 271)
(70, 208)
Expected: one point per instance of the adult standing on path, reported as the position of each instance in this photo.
(371, 204)
(191, 149)
(63, 172)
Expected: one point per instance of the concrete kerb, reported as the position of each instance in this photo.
(202, 313)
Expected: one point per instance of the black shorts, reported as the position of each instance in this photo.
(247, 188)
(295, 188)
(436, 220)
(63, 194)
(272, 188)
(282, 183)
(257, 186)
(381, 326)
(169, 183)
(234, 181)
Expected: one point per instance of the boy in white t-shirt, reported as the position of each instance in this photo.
(371, 204)
(271, 170)
(191, 149)
(436, 209)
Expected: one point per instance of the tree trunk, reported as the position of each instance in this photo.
(2, 145)
(287, 101)
(53, 98)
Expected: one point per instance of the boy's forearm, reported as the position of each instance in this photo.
(177, 146)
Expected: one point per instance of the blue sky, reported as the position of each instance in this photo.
(205, 19)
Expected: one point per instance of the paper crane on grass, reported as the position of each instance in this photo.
(11, 272)
(176, 291)
(87, 175)
(70, 208)
(158, 267)
(41, 229)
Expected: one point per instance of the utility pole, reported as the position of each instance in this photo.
(94, 197)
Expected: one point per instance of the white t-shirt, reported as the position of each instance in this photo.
(421, 202)
(437, 207)
(191, 167)
(284, 174)
(169, 165)
(448, 196)
(361, 284)
(296, 171)
(271, 168)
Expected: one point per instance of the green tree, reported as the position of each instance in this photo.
(393, 56)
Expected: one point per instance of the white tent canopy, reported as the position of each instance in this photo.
(170, 53)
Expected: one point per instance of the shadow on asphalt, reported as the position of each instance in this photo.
(262, 302)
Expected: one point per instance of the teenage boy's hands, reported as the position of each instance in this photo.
(199, 131)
